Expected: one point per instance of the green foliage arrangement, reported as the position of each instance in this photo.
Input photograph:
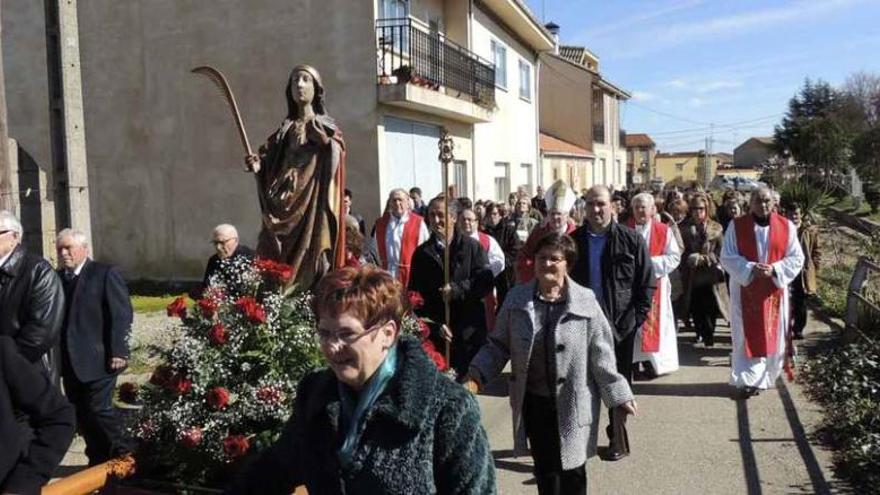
(845, 379)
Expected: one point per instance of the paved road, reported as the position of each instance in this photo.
(692, 437)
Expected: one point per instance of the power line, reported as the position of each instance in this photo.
(671, 116)
(729, 126)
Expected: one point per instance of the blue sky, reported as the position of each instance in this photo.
(732, 63)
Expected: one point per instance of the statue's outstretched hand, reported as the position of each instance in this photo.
(252, 163)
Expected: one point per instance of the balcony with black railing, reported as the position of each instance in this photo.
(411, 59)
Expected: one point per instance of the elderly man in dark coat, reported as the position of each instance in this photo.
(28, 459)
(470, 279)
(31, 298)
(95, 343)
(613, 261)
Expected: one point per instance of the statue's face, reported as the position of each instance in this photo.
(303, 88)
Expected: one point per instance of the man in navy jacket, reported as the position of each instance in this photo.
(94, 343)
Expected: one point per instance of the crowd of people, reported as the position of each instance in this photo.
(579, 293)
(66, 325)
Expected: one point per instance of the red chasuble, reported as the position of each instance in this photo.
(489, 301)
(651, 327)
(761, 300)
(408, 244)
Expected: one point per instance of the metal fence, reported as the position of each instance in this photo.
(863, 301)
(408, 54)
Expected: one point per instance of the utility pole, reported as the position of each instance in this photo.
(7, 201)
(711, 154)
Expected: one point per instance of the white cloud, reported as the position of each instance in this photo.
(630, 22)
(642, 96)
(665, 36)
(677, 83)
(711, 86)
(696, 102)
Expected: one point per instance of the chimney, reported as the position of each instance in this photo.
(554, 30)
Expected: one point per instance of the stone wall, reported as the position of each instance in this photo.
(164, 161)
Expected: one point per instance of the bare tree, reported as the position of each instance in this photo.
(864, 88)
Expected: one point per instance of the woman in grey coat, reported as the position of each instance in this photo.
(561, 350)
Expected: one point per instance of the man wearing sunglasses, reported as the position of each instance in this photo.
(31, 298)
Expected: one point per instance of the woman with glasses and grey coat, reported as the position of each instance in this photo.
(561, 351)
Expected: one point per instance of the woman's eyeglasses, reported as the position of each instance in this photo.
(347, 336)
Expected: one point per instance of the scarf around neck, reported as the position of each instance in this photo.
(355, 405)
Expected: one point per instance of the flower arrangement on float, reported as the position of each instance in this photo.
(226, 386)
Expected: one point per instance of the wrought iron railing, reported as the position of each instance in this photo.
(409, 54)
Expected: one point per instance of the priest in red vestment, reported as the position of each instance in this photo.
(397, 235)
(656, 343)
(762, 254)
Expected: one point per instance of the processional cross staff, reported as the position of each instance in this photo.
(446, 145)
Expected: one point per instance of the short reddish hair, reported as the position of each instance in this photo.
(368, 293)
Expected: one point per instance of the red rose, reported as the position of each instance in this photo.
(274, 269)
(177, 308)
(424, 329)
(416, 301)
(236, 446)
(128, 392)
(161, 375)
(218, 398)
(284, 272)
(251, 309)
(179, 384)
(431, 351)
(269, 395)
(208, 307)
(191, 437)
(217, 334)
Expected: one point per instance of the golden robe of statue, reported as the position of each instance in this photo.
(300, 176)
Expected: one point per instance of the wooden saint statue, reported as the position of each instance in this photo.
(300, 180)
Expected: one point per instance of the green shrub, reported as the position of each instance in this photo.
(845, 379)
(807, 196)
(832, 287)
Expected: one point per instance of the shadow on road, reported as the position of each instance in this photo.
(817, 478)
(513, 466)
(750, 465)
(682, 389)
(688, 355)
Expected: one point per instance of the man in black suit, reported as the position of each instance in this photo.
(27, 459)
(94, 343)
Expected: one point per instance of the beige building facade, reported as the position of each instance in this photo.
(162, 162)
(640, 157)
(566, 161)
(582, 109)
(687, 167)
(755, 152)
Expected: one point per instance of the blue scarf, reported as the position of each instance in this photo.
(354, 406)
